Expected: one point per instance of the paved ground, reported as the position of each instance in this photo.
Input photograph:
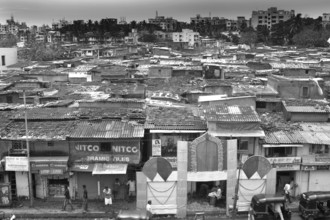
(52, 210)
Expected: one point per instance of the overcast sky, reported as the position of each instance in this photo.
(37, 12)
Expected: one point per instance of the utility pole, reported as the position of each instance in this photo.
(28, 152)
(236, 191)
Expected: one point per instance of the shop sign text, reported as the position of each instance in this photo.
(51, 172)
(281, 167)
(279, 160)
(87, 147)
(16, 163)
(111, 158)
(125, 149)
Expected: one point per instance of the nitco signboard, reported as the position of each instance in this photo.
(115, 149)
(112, 152)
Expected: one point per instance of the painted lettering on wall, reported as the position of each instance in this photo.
(87, 147)
(125, 149)
(99, 158)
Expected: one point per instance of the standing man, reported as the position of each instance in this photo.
(107, 198)
(67, 199)
(131, 189)
(287, 189)
(85, 199)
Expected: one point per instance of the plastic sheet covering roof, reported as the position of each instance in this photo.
(108, 129)
(311, 133)
(231, 113)
(38, 130)
(289, 66)
(171, 118)
(307, 109)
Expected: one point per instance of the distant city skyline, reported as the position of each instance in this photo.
(38, 12)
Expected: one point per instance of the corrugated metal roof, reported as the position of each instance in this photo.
(312, 133)
(107, 129)
(231, 113)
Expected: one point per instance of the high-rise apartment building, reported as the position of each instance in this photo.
(270, 17)
(167, 24)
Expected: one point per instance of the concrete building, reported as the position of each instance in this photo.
(8, 57)
(167, 24)
(187, 36)
(198, 19)
(270, 17)
(325, 19)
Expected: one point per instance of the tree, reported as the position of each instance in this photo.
(263, 34)
(40, 51)
(147, 37)
(9, 40)
(249, 38)
(312, 38)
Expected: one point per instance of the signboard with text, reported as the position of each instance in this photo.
(17, 164)
(156, 147)
(287, 160)
(284, 167)
(109, 152)
(47, 166)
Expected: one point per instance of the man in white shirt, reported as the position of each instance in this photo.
(287, 189)
(131, 189)
(149, 209)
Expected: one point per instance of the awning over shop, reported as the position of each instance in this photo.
(63, 159)
(106, 168)
(282, 145)
(49, 165)
(237, 133)
(82, 167)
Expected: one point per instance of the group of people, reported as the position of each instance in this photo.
(215, 194)
(108, 195)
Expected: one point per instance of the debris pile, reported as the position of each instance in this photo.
(271, 122)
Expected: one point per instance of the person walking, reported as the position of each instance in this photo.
(85, 199)
(67, 199)
(287, 190)
(107, 198)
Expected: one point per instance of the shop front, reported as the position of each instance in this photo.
(287, 168)
(50, 175)
(18, 167)
(97, 164)
(316, 176)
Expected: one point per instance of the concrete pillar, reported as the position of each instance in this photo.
(22, 183)
(231, 146)
(271, 182)
(182, 169)
(141, 190)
